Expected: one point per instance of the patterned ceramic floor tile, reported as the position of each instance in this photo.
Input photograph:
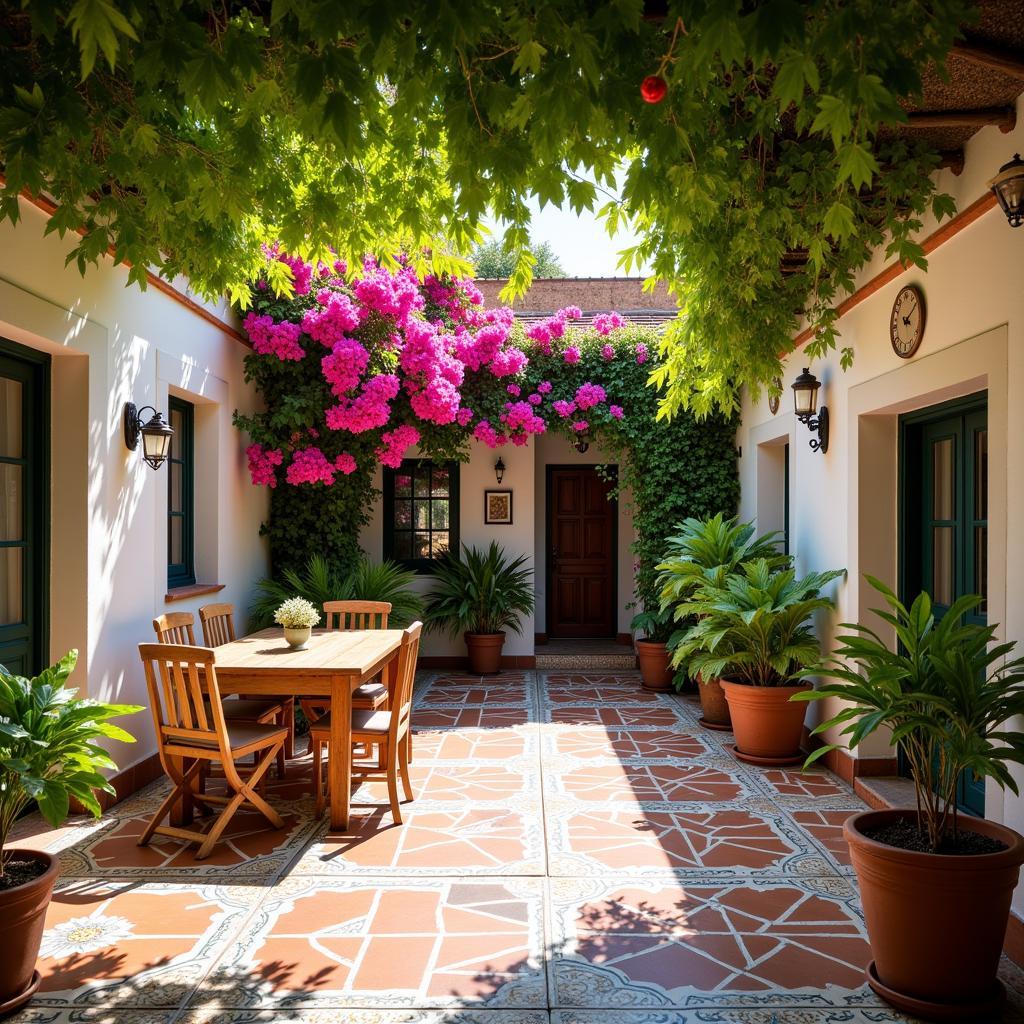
(469, 718)
(728, 842)
(465, 840)
(391, 943)
(472, 694)
(685, 782)
(662, 714)
(301, 1015)
(809, 785)
(136, 945)
(825, 827)
(736, 944)
(476, 745)
(600, 743)
(441, 782)
(778, 1014)
(581, 689)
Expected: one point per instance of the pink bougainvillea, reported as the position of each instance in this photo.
(605, 323)
(274, 339)
(607, 352)
(310, 466)
(335, 317)
(589, 395)
(262, 464)
(544, 387)
(571, 354)
(615, 411)
(580, 426)
(641, 353)
(343, 367)
(563, 408)
(394, 445)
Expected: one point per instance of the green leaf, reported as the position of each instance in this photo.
(95, 25)
(528, 59)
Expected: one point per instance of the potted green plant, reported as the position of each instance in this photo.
(298, 617)
(705, 551)
(753, 633)
(935, 884)
(48, 753)
(480, 595)
(656, 671)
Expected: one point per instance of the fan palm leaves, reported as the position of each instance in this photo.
(481, 592)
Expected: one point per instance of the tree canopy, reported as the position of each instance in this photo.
(495, 258)
(180, 136)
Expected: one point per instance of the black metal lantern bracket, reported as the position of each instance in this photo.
(134, 429)
(817, 425)
(499, 469)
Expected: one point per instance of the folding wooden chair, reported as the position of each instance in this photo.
(218, 622)
(179, 628)
(372, 695)
(388, 731)
(192, 732)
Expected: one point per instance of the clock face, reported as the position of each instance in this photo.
(906, 326)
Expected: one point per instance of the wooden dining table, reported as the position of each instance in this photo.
(332, 664)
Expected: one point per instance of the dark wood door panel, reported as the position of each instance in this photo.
(581, 554)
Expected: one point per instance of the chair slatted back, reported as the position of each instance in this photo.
(175, 628)
(218, 621)
(357, 614)
(401, 710)
(179, 679)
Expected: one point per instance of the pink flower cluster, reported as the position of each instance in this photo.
(369, 410)
(394, 444)
(545, 331)
(605, 323)
(615, 411)
(520, 421)
(571, 354)
(484, 432)
(589, 395)
(262, 464)
(274, 339)
(607, 353)
(345, 365)
(311, 466)
(564, 408)
(641, 353)
(335, 316)
(391, 295)
(433, 374)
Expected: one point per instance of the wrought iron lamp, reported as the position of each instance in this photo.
(805, 399)
(156, 434)
(1008, 186)
(499, 469)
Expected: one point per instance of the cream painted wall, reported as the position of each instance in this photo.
(843, 504)
(111, 344)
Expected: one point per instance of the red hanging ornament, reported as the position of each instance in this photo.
(653, 89)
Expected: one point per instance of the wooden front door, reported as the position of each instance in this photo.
(24, 431)
(581, 554)
(944, 529)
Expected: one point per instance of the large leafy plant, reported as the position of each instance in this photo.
(944, 689)
(754, 626)
(48, 748)
(320, 581)
(180, 136)
(481, 592)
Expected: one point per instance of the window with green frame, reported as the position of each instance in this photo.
(421, 512)
(181, 571)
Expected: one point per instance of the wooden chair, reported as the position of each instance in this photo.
(370, 696)
(192, 732)
(179, 628)
(388, 731)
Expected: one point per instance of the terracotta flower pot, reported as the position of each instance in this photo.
(484, 651)
(714, 708)
(655, 670)
(936, 922)
(767, 725)
(23, 912)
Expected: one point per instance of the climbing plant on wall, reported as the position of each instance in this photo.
(356, 369)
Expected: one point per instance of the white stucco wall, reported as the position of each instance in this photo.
(843, 504)
(111, 344)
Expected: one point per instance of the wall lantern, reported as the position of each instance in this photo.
(582, 443)
(155, 433)
(1008, 185)
(499, 470)
(805, 398)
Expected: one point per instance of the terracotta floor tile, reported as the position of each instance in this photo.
(810, 784)
(469, 718)
(827, 828)
(649, 783)
(474, 745)
(622, 715)
(349, 1015)
(435, 781)
(469, 695)
(461, 941)
(592, 742)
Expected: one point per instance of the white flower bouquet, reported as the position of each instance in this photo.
(297, 613)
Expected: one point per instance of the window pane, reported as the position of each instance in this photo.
(981, 566)
(944, 481)
(10, 418)
(178, 426)
(11, 498)
(403, 545)
(403, 513)
(421, 545)
(176, 556)
(421, 515)
(942, 565)
(439, 544)
(403, 485)
(421, 482)
(439, 482)
(11, 586)
(981, 474)
(177, 471)
(439, 515)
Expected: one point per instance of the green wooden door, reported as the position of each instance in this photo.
(24, 433)
(944, 474)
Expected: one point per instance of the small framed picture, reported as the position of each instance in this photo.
(498, 508)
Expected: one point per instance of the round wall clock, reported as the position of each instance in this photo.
(773, 400)
(906, 325)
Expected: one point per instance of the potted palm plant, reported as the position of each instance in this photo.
(48, 754)
(753, 633)
(480, 595)
(656, 670)
(705, 551)
(935, 884)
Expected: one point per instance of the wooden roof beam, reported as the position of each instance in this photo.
(953, 159)
(1006, 61)
(1004, 118)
